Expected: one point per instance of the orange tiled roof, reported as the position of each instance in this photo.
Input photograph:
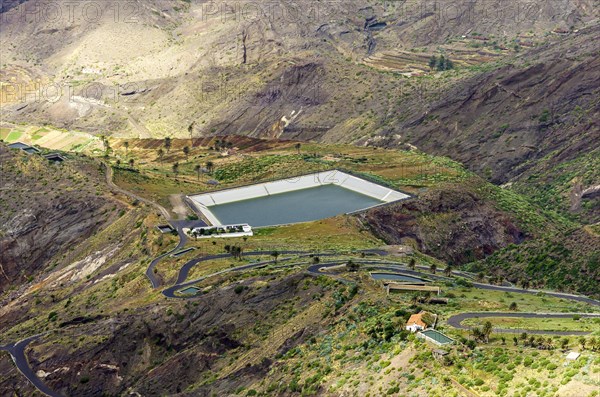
(417, 319)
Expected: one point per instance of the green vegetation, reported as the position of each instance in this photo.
(440, 64)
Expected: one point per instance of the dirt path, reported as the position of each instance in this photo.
(179, 207)
(109, 180)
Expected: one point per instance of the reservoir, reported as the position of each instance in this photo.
(301, 199)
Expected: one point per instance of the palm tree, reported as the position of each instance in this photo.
(168, 143)
(186, 151)
(210, 166)
(104, 142)
(487, 331)
(448, 270)
(131, 162)
(176, 169)
(433, 268)
(191, 132)
(275, 255)
(414, 298)
(198, 169)
(126, 148)
(412, 264)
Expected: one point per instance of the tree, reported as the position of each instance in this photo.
(198, 170)
(104, 142)
(352, 266)
(582, 343)
(186, 151)
(118, 162)
(477, 333)
(176, 169)
(515, 341)
(161, 154)
(432, 62)
(126, 148)
(448, 270)
(594, 343)
(237, 252)
(298, 146)
(513, 306)
(440, 63)
(316, 260)
(487, 331)
(275, 255)
(414, 298)
(210, 166)
(107, 149)
(433, 268)
(412, 264)
(168, 143)
(564, 343)
(131, 162)
(191, 132)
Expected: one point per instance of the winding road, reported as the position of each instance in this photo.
(383, 265)
(17, 352)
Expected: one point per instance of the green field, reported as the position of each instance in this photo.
(14, 136)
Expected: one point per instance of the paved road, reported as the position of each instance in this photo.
(150, 271)
(17, 352)
(185, 270)
(456, 321)
(394, 266)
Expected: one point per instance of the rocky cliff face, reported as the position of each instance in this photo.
(47, 209)
(454, 224)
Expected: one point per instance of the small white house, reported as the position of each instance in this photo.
(415, 323)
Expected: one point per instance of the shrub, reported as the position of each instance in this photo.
(239, 289)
